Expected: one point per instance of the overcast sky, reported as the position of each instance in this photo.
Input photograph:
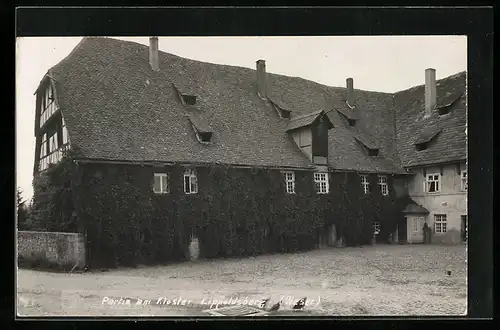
(385, 64)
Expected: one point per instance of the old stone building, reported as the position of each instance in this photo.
(132, 108)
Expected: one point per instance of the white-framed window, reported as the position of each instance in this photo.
(321, 183)
(190, 182)
(376, 228)
(160, 185)
(364, 183)
(440, 223)
(290, 182)
(382, 182)
(433, 182)
(463, 180)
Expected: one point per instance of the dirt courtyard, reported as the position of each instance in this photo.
(373, 280)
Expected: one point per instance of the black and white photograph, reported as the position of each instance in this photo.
(241, 176)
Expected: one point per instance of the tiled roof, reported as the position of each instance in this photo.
(413, 207)
(450, 144)
(279, 103)
(303, 120)
(366, 138)
(200, 124)
(428, 134)
(117, 108)
(348, 112)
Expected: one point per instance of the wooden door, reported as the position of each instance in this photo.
(415, 229)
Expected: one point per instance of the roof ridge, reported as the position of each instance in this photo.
(452, 76)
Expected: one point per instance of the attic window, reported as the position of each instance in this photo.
(446, 108)
(189, 99)
(285, 114)
(421, 146)
(203, 131)
(426, 138)
(348, 116)
(205, 136)
(371, 146)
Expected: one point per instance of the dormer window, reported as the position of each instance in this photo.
(283, 113)
(188, 99)
(348, 114)
(202, 130)
(205, 136)
(446, 108)
(421, 146)
(425, 138)
(368, 143)
(184, 95)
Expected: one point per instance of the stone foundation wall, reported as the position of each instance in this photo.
(61, 249)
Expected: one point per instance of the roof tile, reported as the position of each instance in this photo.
(117, 108)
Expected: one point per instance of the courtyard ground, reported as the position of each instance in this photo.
(372, 280)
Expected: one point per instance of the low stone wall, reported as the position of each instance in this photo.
(51, 248)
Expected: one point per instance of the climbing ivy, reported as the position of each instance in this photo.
(236, 212)
(53, 208)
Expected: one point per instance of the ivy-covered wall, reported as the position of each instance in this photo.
(236, 212)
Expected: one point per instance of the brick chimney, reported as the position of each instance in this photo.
(261, 78)
(430, 91)
(350, 91)
(153, 53)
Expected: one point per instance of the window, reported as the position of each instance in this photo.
(43, 150)
(373, 152)
(365, 183)
(351, 122)
(65, 138)
(305, 138)
(285, 114)
(440, 223)
(204, 136)
(290, 182)
(47, 105)
(189, 99)
(321, 183)
(376, 228)
(382, 182)
(422, 146)
(190, 182)
(463, 177)
(433, 182)
(53, 143)
(160, 185)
